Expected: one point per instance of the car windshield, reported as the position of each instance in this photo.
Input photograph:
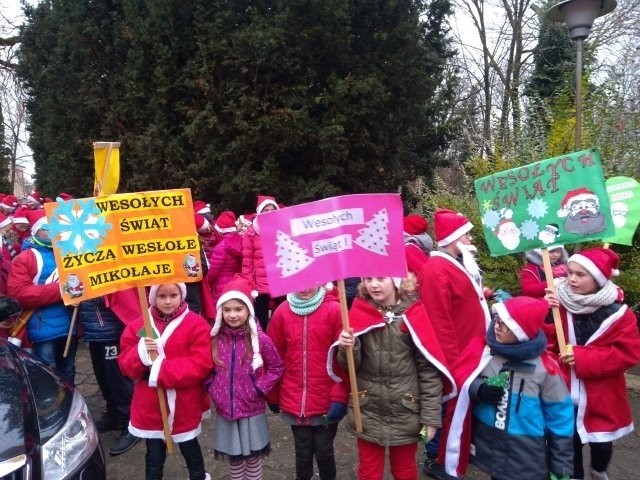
(12, 420)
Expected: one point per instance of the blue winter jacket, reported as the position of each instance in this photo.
(99, 324)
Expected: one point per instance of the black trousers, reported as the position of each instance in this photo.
(601, 454)
(157, 454)
(116, 389)
(315, 442)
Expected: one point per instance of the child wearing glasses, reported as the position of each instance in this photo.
(513, 417)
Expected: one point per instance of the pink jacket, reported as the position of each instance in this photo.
(253, 260)
(224, 263)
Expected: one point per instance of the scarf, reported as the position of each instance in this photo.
(164, 318)
(305, 307)
(517, 351)
(580, 304)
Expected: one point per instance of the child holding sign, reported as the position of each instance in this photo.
(183, 361)
(603, 343)
(247, 367)
(398, 362)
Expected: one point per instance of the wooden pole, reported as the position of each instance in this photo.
(557, 320)
(21, 322)
(350, 362)
(148, 331)
(70, 334)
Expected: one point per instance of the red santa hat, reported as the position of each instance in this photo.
(523, 315)
(37, 220)
(202, 225)
(10, 202)
(201, 207)
(64, 196)
(247, 219)
(414, 224)
(35, 196)
(226, 222)
(576, 195)
(5, 220)
(20, 215)
(153, 293)
(449, 226)
(601, 263)
(264, 200)
(240, 288)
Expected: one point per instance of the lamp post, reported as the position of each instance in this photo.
(579, 16)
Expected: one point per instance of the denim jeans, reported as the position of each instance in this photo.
(51, 352)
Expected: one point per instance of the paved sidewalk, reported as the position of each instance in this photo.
(280, 464)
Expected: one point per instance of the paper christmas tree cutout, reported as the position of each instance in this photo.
(375, 237)
(291, 257)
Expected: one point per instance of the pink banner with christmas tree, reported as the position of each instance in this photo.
(332, 239)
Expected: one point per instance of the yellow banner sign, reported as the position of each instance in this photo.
(114, 242)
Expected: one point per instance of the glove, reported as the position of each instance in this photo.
(490, 394)
(336, 412)
(562, 477)
(274, 407)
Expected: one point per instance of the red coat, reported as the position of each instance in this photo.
(181, 368)
(597, 383)
(303, 342)
(455, 303)
(416, 257)
(253, 260)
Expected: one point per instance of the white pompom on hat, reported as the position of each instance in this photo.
(240, 288)
(523, 315)
(601, 263)
(153, 292)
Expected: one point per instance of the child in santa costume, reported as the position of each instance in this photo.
(417, 242)
(247, 367)
(312, 403)
(513, 417)
(226, 259)
(533, 281)
(400, 373)
(182, 350)
(450, 286)
(604, 339)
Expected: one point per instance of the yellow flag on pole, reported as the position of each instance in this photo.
(107, 171)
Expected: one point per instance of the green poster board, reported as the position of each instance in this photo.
(624, 196)
(560, 200)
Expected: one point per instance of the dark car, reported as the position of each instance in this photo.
(46, 430)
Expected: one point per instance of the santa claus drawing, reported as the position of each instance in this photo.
(581, 210)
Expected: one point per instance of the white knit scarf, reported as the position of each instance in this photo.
(581, 304)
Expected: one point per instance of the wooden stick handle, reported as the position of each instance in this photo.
(21, 322)
(350, 362)
(70, 334)
(557, 320)
(148, 331)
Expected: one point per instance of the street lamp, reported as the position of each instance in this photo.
(579, 16)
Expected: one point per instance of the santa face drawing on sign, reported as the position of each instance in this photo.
(619, 212)
(507, 231)
(581, 210)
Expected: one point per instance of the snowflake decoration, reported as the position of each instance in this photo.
(537, 208)
(491, 219)
(77, 227)
(529, 229)
(486, 205)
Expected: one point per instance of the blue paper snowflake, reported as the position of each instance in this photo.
(491, 219)
(77, 227)
(537, 208)
(529, 229)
